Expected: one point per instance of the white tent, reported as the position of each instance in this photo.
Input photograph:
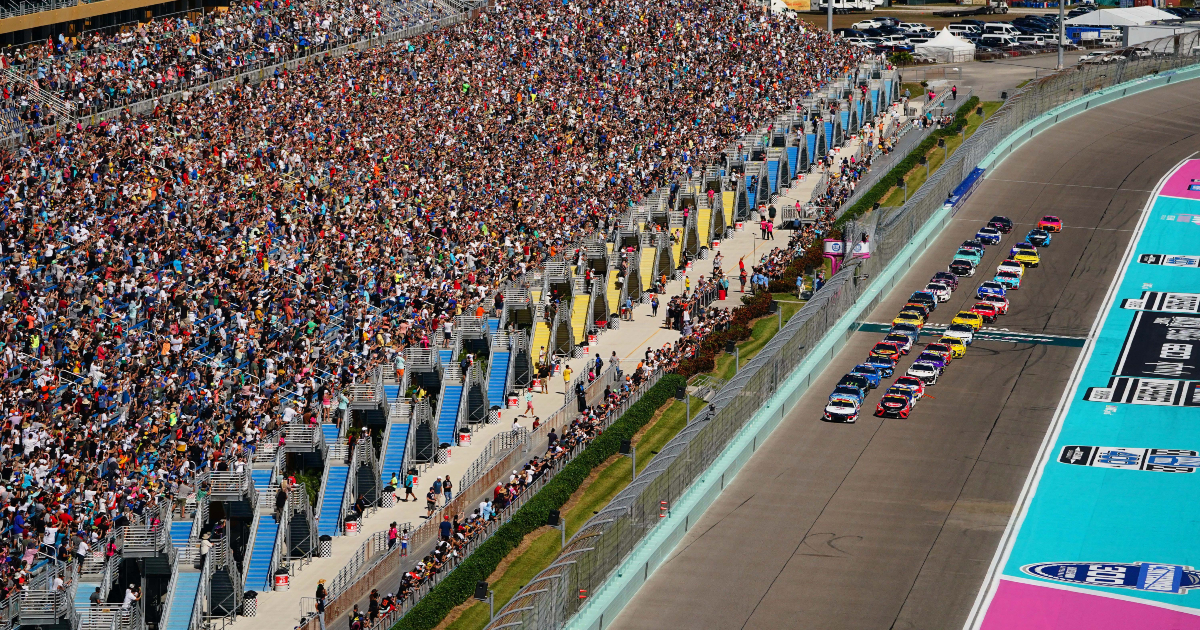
(1132, 16)
(946, 48)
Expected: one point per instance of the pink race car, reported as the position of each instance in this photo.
(1050, 223)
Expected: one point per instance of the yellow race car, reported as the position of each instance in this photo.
(974, 320)
(956, 345)
(1027, 258)
(909, 317)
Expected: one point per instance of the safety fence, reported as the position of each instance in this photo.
(586, 562)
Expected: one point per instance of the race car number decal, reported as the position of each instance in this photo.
(1146, 391)
(1142, 576)
(1153, 459)
(1170, 260)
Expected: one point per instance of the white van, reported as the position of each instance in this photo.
(914, 27)
(963, 29)
(1031, 40)
(997, 41)
(1000, 28)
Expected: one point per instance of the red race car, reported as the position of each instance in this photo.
(1050, 223)
(894, 405)
(885, 349)
(988, 311)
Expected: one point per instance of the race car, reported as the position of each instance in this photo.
(911, 383)
(927, 372)
(924, 297)
(856, 380)
(946, 278)
(964, 332)
(885, 349)
(900, 339)
(991, 287)
(955, 344)
(1038, 238)
(941, 349)
(848, 392)
(986, 310)
(911, 331)
(909, 317)
(960, 268)
(869, 372)
(968, 318)
(885, 365)
(934, 359)
(988, 235)
(894, 405)
(841, 410)
(974, 243)
(939, 290)
(1004, 224)
(970, 254)
(1022, 246)
(923, 310)
(1028, 258)
(1050, 223)
(1011, 265)
(1009, 279)
(1000, 301)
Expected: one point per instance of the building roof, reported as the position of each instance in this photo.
(1132, 16)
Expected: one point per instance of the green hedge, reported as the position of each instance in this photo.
(877, 192)
(459, 585)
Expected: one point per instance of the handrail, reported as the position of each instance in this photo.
(199, 605)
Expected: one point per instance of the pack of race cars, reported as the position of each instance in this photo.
(898, 400)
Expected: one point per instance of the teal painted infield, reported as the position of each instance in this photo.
(1109, 537)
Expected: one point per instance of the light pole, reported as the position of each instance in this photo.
(925, 161)
(829, 16)
(1061, 33)
(900, 182)
(629, 451)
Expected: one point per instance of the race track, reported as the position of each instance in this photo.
(892, 523)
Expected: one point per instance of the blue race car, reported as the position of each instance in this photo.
(988, 235)
(1009, 279)
(848, 392)
(870, 372)
(933, 358)
(912, 331)
(972, 255)
(885, 365)
(991, 287)
(1022, 246)
(1038, 238)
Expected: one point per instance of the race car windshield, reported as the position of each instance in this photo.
(961, 328)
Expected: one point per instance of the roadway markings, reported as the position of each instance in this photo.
(988, 333)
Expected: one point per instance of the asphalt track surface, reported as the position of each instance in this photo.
(892, 523)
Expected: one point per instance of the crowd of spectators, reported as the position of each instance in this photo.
(106, 69)
(181, 284)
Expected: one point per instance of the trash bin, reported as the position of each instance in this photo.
(351, 528)
(513, 400)
(325, 548)
(283, 581)
(494, 412)
(464, 436)
(443, 454)
(389, 497)
(250, 604)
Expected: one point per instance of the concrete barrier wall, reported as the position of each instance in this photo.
(608, 601)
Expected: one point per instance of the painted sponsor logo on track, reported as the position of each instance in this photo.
(1142, 576)
(1167, 460)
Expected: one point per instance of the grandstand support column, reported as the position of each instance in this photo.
(829, 16)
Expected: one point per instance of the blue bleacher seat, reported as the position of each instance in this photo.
(259, 563)
(179, 609)
(793, 153)
(497, 378)
(393, 459)
(448, 415)
(261, 478)
(331, 501)
(181, 533)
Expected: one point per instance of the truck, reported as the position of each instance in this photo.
(989, 7)
(844, 6)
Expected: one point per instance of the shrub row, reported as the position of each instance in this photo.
(705, 359)
(459, 585)
(880, 189)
